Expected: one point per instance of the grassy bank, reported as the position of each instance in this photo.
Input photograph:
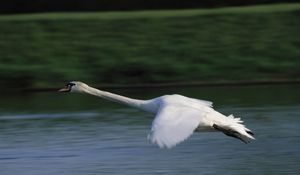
(228, 44)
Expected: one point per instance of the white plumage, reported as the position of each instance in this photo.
(177, 116)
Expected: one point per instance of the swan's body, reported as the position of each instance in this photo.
(177, 116)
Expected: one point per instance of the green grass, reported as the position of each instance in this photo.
(219, 45)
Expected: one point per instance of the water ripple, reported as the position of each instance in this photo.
(47, 116)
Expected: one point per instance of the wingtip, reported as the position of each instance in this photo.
(159, 143)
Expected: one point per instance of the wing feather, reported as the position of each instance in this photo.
(203, 102)
(173, 124)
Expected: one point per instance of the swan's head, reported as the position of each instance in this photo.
(74, 86)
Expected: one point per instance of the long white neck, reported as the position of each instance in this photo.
(144, 105)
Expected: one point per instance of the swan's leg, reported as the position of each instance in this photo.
(230, 132)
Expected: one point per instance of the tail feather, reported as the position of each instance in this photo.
(238, 120)
(230, 133)
(234, 128)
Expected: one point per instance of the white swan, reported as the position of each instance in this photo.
(177, 116)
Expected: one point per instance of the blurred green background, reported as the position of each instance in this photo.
(222, 45)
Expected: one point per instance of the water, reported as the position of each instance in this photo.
(73, 134)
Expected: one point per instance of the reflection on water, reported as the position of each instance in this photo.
(50, 133)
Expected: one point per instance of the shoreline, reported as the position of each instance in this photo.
(170, 85)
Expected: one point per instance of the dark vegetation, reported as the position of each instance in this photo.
(223, 45)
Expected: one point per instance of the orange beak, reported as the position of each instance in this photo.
(65, 89)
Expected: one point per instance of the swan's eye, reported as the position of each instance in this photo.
(67, 87)
(70, 84)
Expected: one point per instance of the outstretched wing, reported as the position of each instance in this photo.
(203, 102)
(173, 124)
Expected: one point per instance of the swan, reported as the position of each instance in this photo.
(177, 117)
